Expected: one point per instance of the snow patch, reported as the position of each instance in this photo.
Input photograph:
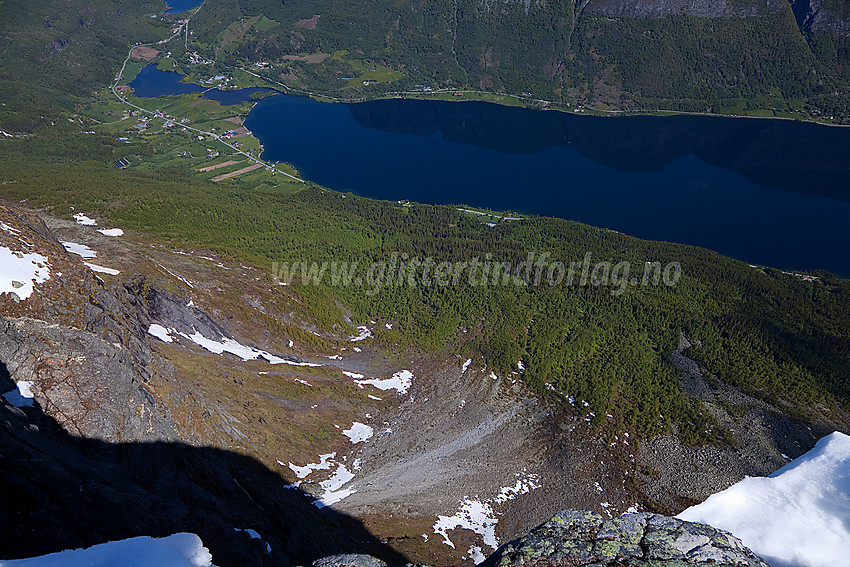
(359, 432)
(21, 397)
(80, 250)
(230, 346)
(111, 232)
(524, 484)
(101, 269)
(466, 365)
(476, 555)
(797, 517)
(160, 332)
(325, 463)
(21, 272)
(254, 535)
(473, 515)
(84, 220)
(178, 550)
(9, 229)
(365, 333)
(352, 374)
(333, 487)
(479, 516)
(400, 382)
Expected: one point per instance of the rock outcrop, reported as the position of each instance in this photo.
(579, 538)
(699, 8)
(818, 16)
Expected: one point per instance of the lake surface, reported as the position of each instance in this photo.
(175, 6)
(152, 83)
(770, 192)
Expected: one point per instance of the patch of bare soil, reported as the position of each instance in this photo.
(218, 165)
(145, 53)
(312, 58)
(237, 172)
(309, 23)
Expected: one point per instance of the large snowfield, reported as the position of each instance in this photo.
(797, 517)
(178, 550)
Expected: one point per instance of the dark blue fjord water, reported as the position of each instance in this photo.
(770, 192)
(152, 83)
(181, 5)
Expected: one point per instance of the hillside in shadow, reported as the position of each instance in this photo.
(779, 154)
(63, 492)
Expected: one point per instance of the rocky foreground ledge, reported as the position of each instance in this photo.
(578, 538)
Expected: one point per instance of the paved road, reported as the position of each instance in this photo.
(123, 99)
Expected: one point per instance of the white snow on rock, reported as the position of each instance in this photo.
(325, 463)
(101, 269)
(111, 232)
(475, 554)
(797, 517)
(9, 229)
(178, 550)
(359, 432)
(480, 517)
(224, 345)
(354, 375)
(80, 250)
(524, 484)
(466, 365)
(160, 332)
(333, 487)
(84, 220)
(473, 515)
(399, 382)
(365, 333)
(21, 397)
(253, 534)
(20, 272)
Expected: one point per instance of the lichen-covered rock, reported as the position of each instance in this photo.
(349, 560)
(578, 538)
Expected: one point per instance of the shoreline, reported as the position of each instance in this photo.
(551, 105)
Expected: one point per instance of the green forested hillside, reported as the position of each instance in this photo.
(53, 55)
(773, 334)
(551, 50)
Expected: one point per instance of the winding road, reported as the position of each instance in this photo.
(117, 93)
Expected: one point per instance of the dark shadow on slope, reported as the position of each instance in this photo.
(62, 492)
(780, 154)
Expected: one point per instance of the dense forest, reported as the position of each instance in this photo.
(54, 55)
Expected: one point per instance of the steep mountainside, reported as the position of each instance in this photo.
(730, 56)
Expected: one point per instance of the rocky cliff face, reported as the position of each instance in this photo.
(698, 8)
(89, 452)
(580, 538)
(816, 16)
